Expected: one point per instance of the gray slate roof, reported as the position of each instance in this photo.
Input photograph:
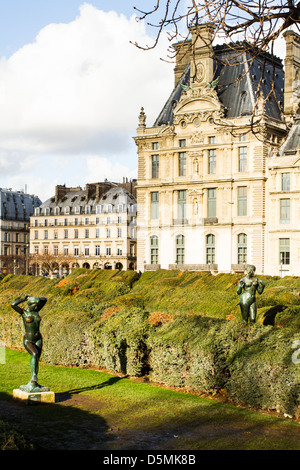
(236, 89)
(15, 205)
(292, 142)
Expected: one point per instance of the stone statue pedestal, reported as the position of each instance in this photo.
(34, 397)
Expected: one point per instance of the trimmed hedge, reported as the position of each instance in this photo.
(181, 329)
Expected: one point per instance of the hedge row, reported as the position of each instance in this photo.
(181, 329)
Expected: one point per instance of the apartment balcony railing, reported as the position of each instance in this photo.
(94, 256)
(82, 224)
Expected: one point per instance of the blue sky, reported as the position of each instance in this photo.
(71, 89)
(21, 20)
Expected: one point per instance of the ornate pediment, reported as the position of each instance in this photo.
(200, 103)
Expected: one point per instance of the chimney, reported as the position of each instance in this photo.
(202, 62)
(90, 191)
(60, 192)
(183, 56)
(129, 186)
(292, 72)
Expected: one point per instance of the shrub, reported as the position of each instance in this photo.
(119, 339)
(183, 329)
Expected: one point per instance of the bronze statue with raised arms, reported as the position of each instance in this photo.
(32, 339)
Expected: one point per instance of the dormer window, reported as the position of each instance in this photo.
(67, 210)
(57, 210)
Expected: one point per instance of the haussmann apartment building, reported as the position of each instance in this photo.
(16, 207)
(92, 228)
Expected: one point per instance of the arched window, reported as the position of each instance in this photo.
(154, 249)
(180, 249)
(57, 210)
(242, 248)
(210, 249)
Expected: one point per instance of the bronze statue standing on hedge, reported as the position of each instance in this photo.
(32, 339)
(249, 284)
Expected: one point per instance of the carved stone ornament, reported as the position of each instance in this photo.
(142, 118)
(197, 138)
(144, 145)
(200, 92)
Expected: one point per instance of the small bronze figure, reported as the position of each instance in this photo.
(32, 339)
(250, 285)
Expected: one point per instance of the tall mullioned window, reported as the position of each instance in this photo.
(212, 161)
(284, 251)
(242, 200)
(180, 249)
(210, 249)
(182, 164)
(154, 205)
(182, 204)
(211, 203)
(284, 211)
(154, 249)
(242, 248)
(155, 166)
(285, 181)
(242, 159)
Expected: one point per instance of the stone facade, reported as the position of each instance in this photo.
(89, 228)
(208, 187)
(283, 207)
(16, 207)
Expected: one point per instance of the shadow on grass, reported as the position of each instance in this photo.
(64, 396)
(269, 315)
(54, 427)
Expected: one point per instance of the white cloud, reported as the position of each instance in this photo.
(100, 168)
(80, 80)
(78, 90)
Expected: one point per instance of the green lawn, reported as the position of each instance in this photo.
(95, 410)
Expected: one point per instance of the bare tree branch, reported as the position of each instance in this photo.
(245, 26)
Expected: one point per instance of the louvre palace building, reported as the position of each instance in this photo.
(214, 192)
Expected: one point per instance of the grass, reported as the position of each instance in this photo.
(97, 410)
